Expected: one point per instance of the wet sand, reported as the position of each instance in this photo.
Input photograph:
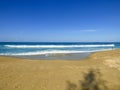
(72, 56)
(100, 71)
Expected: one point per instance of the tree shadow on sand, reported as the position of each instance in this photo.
(92, 81)
(71, 86)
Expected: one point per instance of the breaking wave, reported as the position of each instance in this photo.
(49, 52)
(57, 46)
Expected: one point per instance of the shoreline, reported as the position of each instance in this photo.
(58, 56)
(26, 74)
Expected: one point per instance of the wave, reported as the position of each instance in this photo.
(43, 52)
(49, 52)
(57, 46)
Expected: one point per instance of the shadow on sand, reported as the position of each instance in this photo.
(91, 81)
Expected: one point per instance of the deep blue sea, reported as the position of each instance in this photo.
(48, 48)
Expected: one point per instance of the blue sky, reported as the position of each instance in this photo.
(60, 20)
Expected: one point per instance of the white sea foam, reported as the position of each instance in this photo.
(58, 46)
(49, 52)
(43, 52)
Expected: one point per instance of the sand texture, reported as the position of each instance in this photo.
(100, 71)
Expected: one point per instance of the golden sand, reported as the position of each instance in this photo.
(100, 71)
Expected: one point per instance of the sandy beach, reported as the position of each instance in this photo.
(100, 71)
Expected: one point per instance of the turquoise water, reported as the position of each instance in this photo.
(47, 48)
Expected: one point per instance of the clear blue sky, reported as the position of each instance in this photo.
(60, 20)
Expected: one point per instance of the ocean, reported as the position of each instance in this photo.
(54, 50)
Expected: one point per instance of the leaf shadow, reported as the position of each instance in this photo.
(91, 81)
